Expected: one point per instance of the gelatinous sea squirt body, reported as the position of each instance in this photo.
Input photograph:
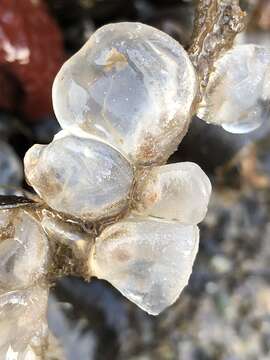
(237, 96)
(23, 324)
(24, 258)
(149, 261)
(178, 191)
(133, 86)
(23, 250)
(81, 177)
(125, 101)
(149, 255)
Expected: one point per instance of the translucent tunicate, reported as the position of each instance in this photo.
(23, 324)
(81, 177)
(23, 249)
(148, 261)
(131, 85)
(237, 96)
(175, 192)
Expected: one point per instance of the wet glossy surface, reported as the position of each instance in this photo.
(238, 93)
(148, 261)
(131, 85)
(23, 250)
(23, 324)
(82, 177)
(174, 192)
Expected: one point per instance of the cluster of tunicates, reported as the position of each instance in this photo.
(26, 255)
(124, 102)
(23, 290)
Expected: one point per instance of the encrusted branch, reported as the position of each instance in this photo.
(217, 22)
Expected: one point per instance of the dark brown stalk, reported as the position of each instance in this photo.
(217, 22)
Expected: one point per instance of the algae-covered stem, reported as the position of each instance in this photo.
(217, 22)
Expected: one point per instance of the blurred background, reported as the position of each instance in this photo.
(224, 313)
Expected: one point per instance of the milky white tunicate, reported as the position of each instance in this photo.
(81, 177)
(148, 261)
(131, 85)
(175, 191)
(23, 249)
(23, 324)
(237, 96)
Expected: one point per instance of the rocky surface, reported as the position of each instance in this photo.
(11, 171)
